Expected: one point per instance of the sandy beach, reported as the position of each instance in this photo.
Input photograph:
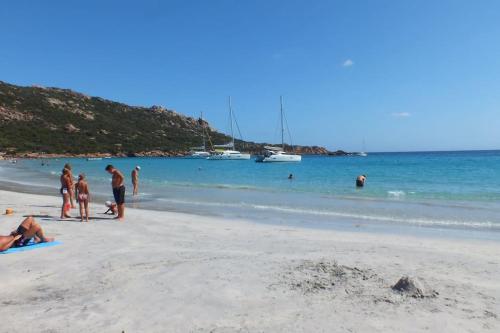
(171, 272)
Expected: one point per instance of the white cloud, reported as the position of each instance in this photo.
(401, 114)
(348, 63)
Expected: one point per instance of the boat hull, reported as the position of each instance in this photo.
(200, 155)
(225, 157)
(279, 158)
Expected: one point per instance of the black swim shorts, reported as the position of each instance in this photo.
(119, 194)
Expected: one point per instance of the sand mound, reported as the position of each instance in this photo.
(413, 287)
(315, 276)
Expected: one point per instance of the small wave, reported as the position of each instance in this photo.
(396, 194)
(200, 203)
(413, 221)
(378, 218)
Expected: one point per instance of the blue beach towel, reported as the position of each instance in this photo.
(30, 246)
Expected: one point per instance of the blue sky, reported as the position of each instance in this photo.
(402, 75)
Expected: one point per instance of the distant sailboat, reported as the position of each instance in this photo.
(201, 152)
(229, 154)
(363, 153)
(278, 154)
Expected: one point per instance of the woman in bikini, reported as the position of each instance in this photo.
(28, 229)
(65, 192)
(82, 190)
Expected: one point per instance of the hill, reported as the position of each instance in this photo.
(60, 121)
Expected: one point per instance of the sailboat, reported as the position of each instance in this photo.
(278, 154)
(201, 152)
(229, 154)
(362, 153)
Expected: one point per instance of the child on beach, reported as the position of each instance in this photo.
(82, 191)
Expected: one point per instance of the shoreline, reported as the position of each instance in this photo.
(176, 272)
(316, 211)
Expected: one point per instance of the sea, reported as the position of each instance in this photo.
(441, 194)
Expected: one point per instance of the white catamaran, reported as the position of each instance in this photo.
(278, 154)
(229, 154)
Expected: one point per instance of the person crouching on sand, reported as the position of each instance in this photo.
(118, 189)
(82, 192)
(135, 179)
(28, 229)
(112, 209)
(65, 192)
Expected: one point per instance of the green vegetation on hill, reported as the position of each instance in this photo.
(60, 121)
(52, 120)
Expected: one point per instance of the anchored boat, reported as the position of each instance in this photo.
(278, 154)
(201, 152)
(229, 154)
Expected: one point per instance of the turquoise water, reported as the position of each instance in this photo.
(453, 190)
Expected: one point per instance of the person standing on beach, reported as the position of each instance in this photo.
(83, 195)
(360, 181)
(65, 192)
(72, 187)
(118, 189)
(135, 179)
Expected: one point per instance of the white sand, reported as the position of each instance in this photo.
(169, 272)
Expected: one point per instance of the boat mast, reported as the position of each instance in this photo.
(203, 131)
(231, 121)
(282, 128)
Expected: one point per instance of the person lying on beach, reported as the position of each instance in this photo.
(65, 192)
(83, 195)
(28, 229)
(360, 181)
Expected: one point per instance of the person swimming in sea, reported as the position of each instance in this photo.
(360, 181)
(83, 195)
(290, 176)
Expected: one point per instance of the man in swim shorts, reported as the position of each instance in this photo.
(360, 181)
(28, 229)
(117, 183)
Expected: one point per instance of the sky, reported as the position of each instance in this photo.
(399, 75)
